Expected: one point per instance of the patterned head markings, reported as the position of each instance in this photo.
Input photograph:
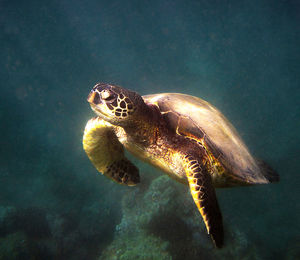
(115, 98)
(122, 106)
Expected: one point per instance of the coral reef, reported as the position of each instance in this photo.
(31, 221)
(293, 250)
(24, 234)
(34, 233)
(15, 246)
(162, 222)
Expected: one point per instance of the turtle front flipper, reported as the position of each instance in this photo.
(107, 153)
(205, 198)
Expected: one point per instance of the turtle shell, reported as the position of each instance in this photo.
(196, 118)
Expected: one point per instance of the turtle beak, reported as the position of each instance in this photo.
(93, 98)
(96, 103)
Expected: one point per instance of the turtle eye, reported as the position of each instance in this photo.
(107, 95)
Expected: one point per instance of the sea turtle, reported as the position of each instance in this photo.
(182, 135)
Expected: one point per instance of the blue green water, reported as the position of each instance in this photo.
(242, 56)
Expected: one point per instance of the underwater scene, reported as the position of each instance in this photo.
(243, 57)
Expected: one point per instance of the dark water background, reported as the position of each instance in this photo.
(242, 56)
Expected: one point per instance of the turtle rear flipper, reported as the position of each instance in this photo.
(205, 198)
(107, 153)
(270, 174)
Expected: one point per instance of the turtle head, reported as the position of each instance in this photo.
(114, 104)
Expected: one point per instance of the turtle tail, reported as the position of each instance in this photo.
(270, 174)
